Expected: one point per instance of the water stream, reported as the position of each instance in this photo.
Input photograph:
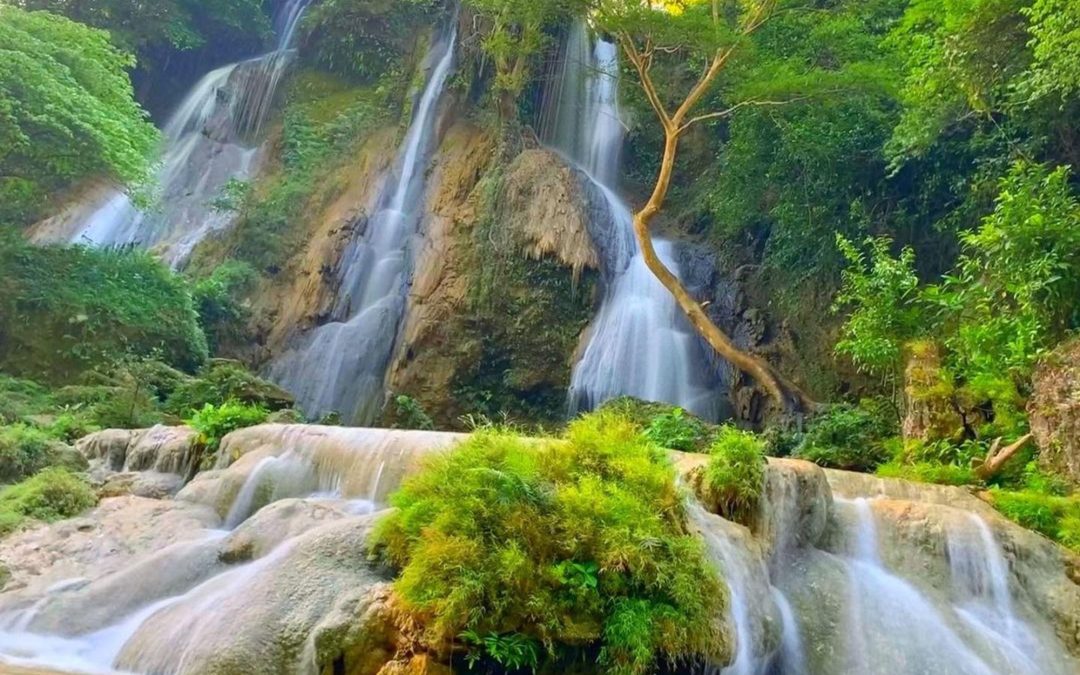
(340, 365)
(207, 144)
(639, 344)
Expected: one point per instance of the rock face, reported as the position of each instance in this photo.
(501, 289)
(160, 448)
(1054, 411)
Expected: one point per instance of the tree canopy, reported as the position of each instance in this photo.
(67, 111)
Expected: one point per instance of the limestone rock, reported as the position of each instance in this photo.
(149, 484)
(1054, 411)
(160, 448)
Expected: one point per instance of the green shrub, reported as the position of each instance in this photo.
(929, 472)
(222, 381)
(1052, 515)
(678, 430)
(65, 310)
(570, 543)
(848, 437)
(24, 450)
(219, 301)
(735, 474)
(53, 494)
(21, 398)
(408, 414)
(215, 422)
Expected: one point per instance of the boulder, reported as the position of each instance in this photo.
(1054, 411)
(159, 448)
(149, 484)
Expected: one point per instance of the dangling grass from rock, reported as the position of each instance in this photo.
(522, 551)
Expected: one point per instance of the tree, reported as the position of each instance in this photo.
(709, 34)
(512, 34)
(67, 111)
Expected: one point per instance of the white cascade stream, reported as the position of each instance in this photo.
(639, 344)
(206, 145)
(340, 365)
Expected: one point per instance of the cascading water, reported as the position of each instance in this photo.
(205, 147)
(340, 365)
(639, 344)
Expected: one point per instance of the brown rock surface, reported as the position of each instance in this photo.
(1054, 411)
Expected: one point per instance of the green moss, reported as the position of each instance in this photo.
(735, 474)
(66, 310)
(571, 543)
(24, 450)
(53, 494)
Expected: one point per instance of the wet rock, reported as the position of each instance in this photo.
(101, 541)
(149, 484)
(160, 448)
(1054, 411)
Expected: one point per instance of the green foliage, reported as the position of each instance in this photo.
(409, 414)
(1052, 515)
(24, 450)
(219, 301)
(678, 430)
(214, 422)
(66, 310)
(67, 111)
(356, 39)
(324, 121)
(929, 472)
(1054, 26)
(881, 290)
(849, 437)
(735, 474)
(565, 543)
(53, 494)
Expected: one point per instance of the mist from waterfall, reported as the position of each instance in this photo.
(340, 365)
(639, 344)
(206, 144)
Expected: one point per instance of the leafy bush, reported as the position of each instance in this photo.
(65, 310)
(678, 430)
(410, 415)
(219, 301)
(848, 437)
(666, 425)
(215, 422)
(569, 543)
(24, 450)
(735, 474)
(1052, 515)
(51, 495)
(222, 381)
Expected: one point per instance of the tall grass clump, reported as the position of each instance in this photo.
(735, 475)
(527, 550)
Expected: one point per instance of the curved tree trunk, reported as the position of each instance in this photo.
(787, 396)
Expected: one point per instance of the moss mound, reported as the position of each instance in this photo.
(53, 494)
(527, 551)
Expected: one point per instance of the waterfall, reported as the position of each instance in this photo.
(205, 147)
(340, 365)
(639, 344)
(893, 627)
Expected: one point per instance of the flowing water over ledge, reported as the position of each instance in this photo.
(207, 143)
(639, 344)
(270, 568)
(340, 365)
